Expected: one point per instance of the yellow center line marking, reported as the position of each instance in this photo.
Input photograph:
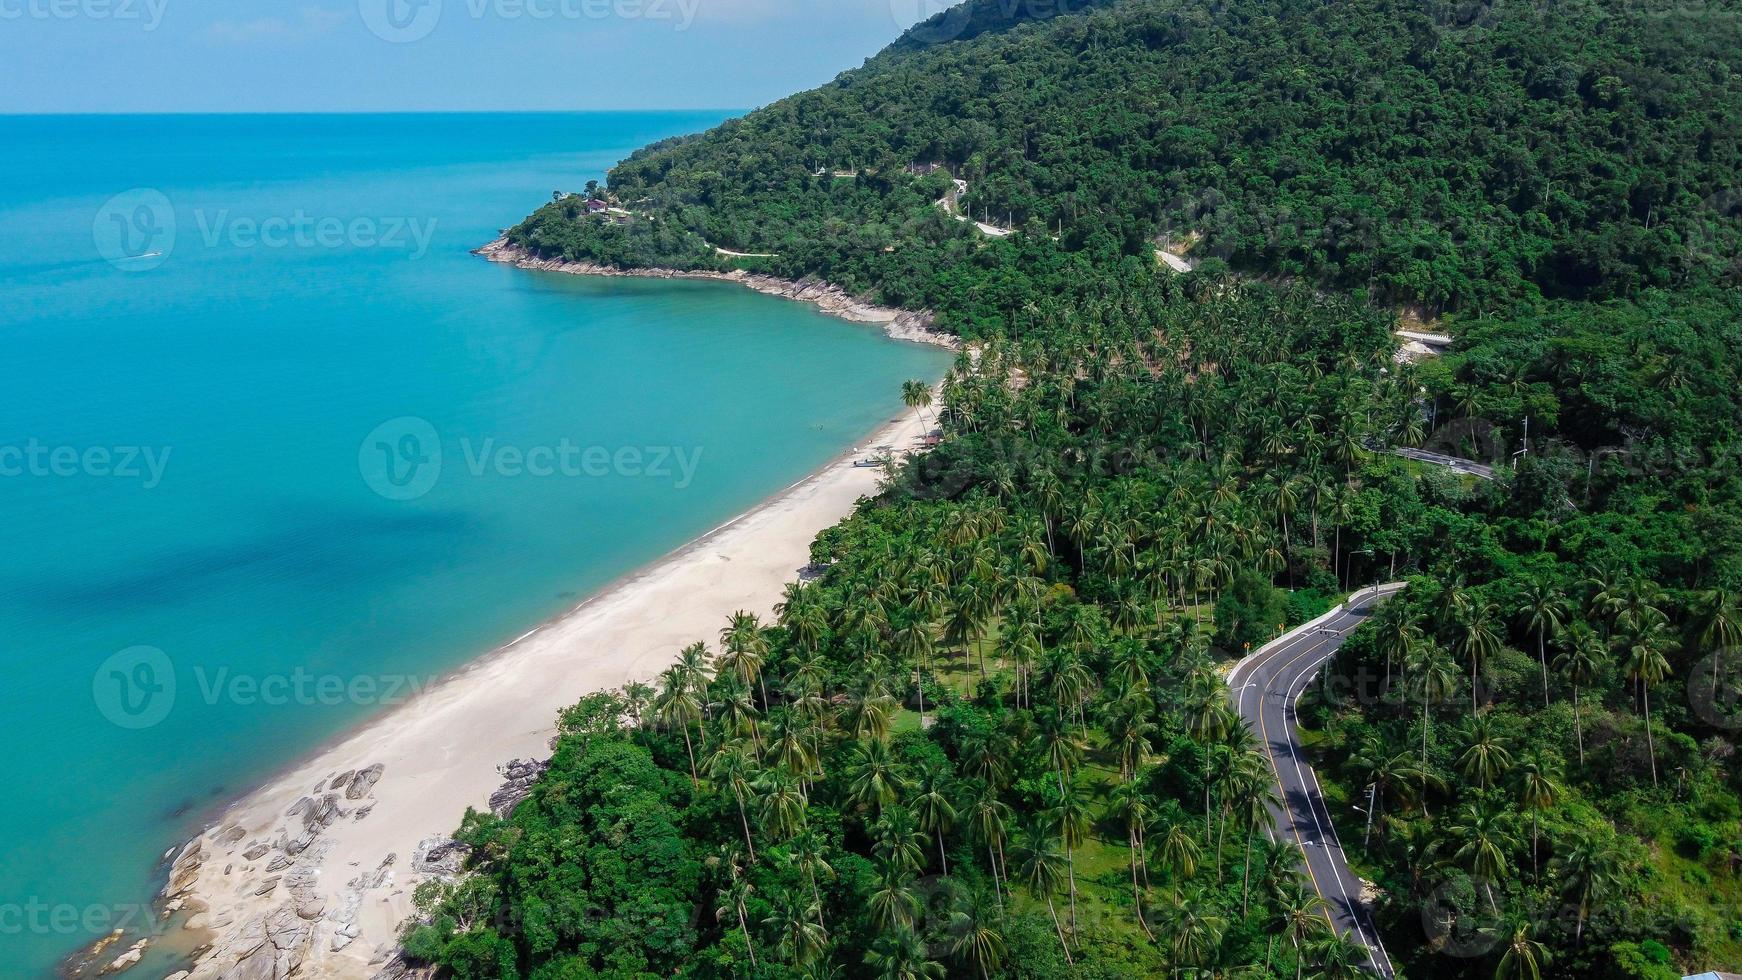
(1264, 733)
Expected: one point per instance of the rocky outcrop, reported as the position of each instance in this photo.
(127, 960)
(292, 911)
(395, 968)
(185, 868)
(439, 856)
(272, 948)
(831, 299)
(364, 781)
(518, 776)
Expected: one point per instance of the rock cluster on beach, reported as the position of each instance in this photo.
(282, 867)
(519, 775)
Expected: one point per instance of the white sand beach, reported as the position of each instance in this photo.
(273, 897)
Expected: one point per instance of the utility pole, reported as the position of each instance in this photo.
(1372, 789)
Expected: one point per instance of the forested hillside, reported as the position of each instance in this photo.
(1458, 157)
(992, 737)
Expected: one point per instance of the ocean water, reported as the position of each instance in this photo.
(275, 450)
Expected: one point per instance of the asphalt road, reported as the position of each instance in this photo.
(1267, 687)
(1451, 462)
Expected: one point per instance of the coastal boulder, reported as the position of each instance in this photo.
(127, 960)
(518, 776)
(274, 948)
(364, 781)
(439, 856)
(185, 868)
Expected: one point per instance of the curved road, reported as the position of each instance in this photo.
(1267, 687)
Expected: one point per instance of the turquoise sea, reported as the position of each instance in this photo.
(275, 449)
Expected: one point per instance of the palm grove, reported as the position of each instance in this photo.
(991, 736)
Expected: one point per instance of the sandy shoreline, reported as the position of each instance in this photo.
(315, 869)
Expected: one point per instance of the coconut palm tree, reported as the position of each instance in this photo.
(1302, 918)
(1544, 609)
(733, 766)
(985, 755)
(1070, 818)
(868, 711)
(1391, 775)
(1435, 678)
(1537, 789)
(1487, 754)
(809, 854)
(1252, 790)
(1475, 639)
(782, 804)
(678, 707)
(732, 900)
(976, 938)
(1481, 838)
(932, 806)
(892, 901)
(1719, 621)
(790, 748)
(1060, 746)
(1590, 868)
(1179, 852)
(1644, 641)
(899, 954)
(915, 642)
(802, 939)
(916, 395)
(990, 818)
(1523, 958)
(896, 838)
(1043, 869)
(1579, 661)
(1337, 957)
(874, 779)
(1129, 805)
(1194, 928)
(743, 648)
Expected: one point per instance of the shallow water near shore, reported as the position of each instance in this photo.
(276, 451)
